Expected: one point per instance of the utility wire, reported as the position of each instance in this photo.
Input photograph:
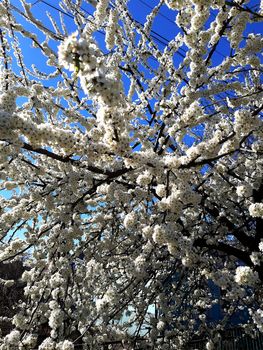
(159, 13)
(168, 19)
(155, 35)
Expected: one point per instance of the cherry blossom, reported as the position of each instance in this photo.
(130, 173)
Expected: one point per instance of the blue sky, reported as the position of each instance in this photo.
(164, 29)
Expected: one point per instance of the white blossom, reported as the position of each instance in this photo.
(12, 338)
(209, 345)
(66, 345)
(48, 344)
(129, 220)
(130, 172)
(256, 209)
(245, 275)
(144, 179)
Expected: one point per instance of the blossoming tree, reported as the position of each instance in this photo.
(131, 174)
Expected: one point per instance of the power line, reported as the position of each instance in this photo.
(159, 13)
(168, 19)
(155, 35)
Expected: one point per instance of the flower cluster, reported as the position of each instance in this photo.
(129, 220)
(11, 340)
(244, 190)
(258, 319)
(256, 210)
(130, 174)
(246, 276)
(101, 11)
(111, 30)
(97, 79)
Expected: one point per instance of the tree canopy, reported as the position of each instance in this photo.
(131, 172)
